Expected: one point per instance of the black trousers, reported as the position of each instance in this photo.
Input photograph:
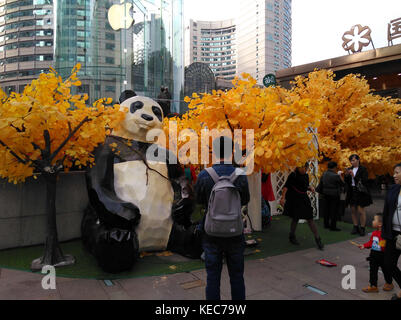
(376, 260)
(331, 206)
(391, 257)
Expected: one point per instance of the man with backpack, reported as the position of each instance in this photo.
(223, 190)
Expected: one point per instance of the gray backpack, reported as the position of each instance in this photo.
(224, 218)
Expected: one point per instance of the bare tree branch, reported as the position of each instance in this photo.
(54, 154)
(47, 150)
(290, 146)
(13, 153)
(69, 127)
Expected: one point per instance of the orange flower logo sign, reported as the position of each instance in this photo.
(357, 38)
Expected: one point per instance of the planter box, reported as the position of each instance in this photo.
(22, 210)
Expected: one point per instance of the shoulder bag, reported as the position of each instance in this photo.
(361, 187)
(398, 238)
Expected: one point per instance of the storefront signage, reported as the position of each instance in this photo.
(359, 37)
(269, 80)
(119, 16)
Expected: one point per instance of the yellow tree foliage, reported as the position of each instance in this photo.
(354, 120)
(281, 126)
(47, 127)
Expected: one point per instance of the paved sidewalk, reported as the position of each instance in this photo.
(280, 277)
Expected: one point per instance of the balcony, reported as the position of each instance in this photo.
(11, 67)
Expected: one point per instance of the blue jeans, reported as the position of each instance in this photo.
(233, 250)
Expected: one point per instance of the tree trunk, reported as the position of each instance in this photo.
(53, 254)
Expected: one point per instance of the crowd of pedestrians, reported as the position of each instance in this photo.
(223, 238)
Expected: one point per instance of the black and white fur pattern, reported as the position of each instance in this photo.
(149, 198)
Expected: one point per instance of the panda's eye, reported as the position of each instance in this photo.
(136, 106)
(158, 113)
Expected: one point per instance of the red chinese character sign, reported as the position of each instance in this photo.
(357, 38)
(394, 30)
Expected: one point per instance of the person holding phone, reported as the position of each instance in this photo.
(358, 195)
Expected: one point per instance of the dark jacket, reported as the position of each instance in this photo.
(390, 206)
(203, 188)
(364, 199)
(361, 175)
(205, 183)
(332, 184)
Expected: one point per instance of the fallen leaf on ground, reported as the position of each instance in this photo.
(164, 254)
(145, 254)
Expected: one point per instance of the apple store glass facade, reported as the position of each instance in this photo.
(131, 44)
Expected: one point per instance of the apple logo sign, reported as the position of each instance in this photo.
(119, 16)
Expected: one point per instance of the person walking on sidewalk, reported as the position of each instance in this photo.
(391, 230)
(215, 246)
(376, 258)
(331, 184)
(358, 195)
(297, 205)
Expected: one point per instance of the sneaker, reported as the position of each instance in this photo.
(370, 289)
(319, 243)
(388, 287)
(362, 231)
(293, 240)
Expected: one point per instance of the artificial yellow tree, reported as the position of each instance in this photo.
(47, 129)
(282, 127)
(354, 120)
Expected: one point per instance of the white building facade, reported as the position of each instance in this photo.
(263, 37)
(213, 43)
(256, 41)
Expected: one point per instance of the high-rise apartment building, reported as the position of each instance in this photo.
(26, 41)
(256, 41)
(130, 44)
(213, 43)
(263, 37)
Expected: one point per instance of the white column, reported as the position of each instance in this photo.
(254, 205)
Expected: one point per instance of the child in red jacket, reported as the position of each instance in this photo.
(376, 259)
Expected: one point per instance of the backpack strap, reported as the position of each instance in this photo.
(213, 174)
(234, 176)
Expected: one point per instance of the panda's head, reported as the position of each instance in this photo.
(143, 114)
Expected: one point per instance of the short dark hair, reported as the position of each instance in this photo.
(223, 147)
(332, 165)
(354, 156)
(379, 216)
(397, 165)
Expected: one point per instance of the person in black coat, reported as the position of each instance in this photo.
(392, 228)
(331, 184)
(297, 205)
(358, 195)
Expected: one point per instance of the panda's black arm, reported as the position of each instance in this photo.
(100, 184)
(183, 205)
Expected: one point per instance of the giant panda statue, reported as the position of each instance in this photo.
(137, 201)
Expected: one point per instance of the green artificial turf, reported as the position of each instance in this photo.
(272, 241)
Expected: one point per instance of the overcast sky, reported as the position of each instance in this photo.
(317, 25)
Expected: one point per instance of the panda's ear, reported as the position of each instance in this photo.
(126, 95)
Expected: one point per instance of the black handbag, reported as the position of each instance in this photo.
(398, 238)
(361, 187)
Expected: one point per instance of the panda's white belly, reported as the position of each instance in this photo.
(153, 195)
